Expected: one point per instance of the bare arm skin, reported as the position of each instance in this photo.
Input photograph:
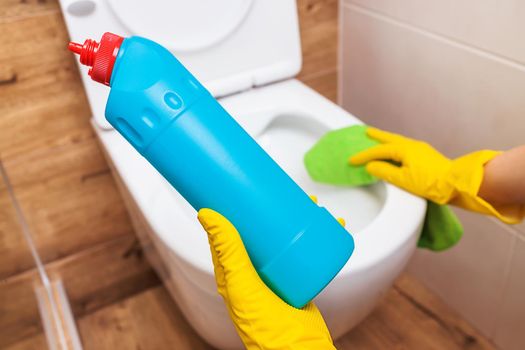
(504, 178)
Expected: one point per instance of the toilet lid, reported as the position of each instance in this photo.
(182, 25)
(230, 45)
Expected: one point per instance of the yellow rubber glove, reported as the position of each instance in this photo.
(261, 318)
(425, 172)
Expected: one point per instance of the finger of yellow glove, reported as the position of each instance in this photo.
(218, 269)
(340, 220)
(205, 217)
(379, 152)
(386, 171)
(262, 319)
(383, 136)
(229, 255)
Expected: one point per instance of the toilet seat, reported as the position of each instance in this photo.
(250, 69)
(160, 19)
(373, 210)
(229, 47)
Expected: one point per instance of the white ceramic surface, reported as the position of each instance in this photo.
(286, 118)
(229, 47)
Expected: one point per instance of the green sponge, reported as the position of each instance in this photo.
(328, 162)
(442, 228)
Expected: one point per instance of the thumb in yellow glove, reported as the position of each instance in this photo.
(425, 172)
(261, 318)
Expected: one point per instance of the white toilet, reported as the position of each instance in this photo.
(246, 52)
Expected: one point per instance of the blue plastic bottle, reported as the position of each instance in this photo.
(296, 246)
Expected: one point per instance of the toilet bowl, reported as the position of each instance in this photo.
(286, 118)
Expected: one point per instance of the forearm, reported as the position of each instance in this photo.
(504, 178)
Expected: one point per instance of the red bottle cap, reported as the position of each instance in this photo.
(99, 56)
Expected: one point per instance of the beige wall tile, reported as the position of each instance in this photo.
(510, 331)
(495, 25)
(520, 229)
(460, 100)
(404, 81)
(470, 277)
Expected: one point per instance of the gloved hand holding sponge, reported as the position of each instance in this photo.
(359, 155)
(427, 173)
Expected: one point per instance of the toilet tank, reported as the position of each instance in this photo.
(229, 45)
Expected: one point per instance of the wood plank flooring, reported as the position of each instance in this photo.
(409, 317)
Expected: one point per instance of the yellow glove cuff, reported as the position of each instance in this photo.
(466, 178)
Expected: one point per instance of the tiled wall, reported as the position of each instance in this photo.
(452, 73)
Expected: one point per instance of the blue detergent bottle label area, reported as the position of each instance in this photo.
(296, 246)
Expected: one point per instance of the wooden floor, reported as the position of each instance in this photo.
(409, 317)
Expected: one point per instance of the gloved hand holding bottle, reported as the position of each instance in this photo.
(261, 318)
(488, 182)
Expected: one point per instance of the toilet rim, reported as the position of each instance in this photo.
(294, 98)
(367, 253)
(390, 215)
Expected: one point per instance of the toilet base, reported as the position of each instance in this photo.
(358, 293)
(385, 221)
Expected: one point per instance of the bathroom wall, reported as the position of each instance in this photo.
(452, 73)
(76, 216)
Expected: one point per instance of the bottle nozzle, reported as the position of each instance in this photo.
(87, 52)
(99, 56)
(75, 47)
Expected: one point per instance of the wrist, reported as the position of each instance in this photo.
(468, 172)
